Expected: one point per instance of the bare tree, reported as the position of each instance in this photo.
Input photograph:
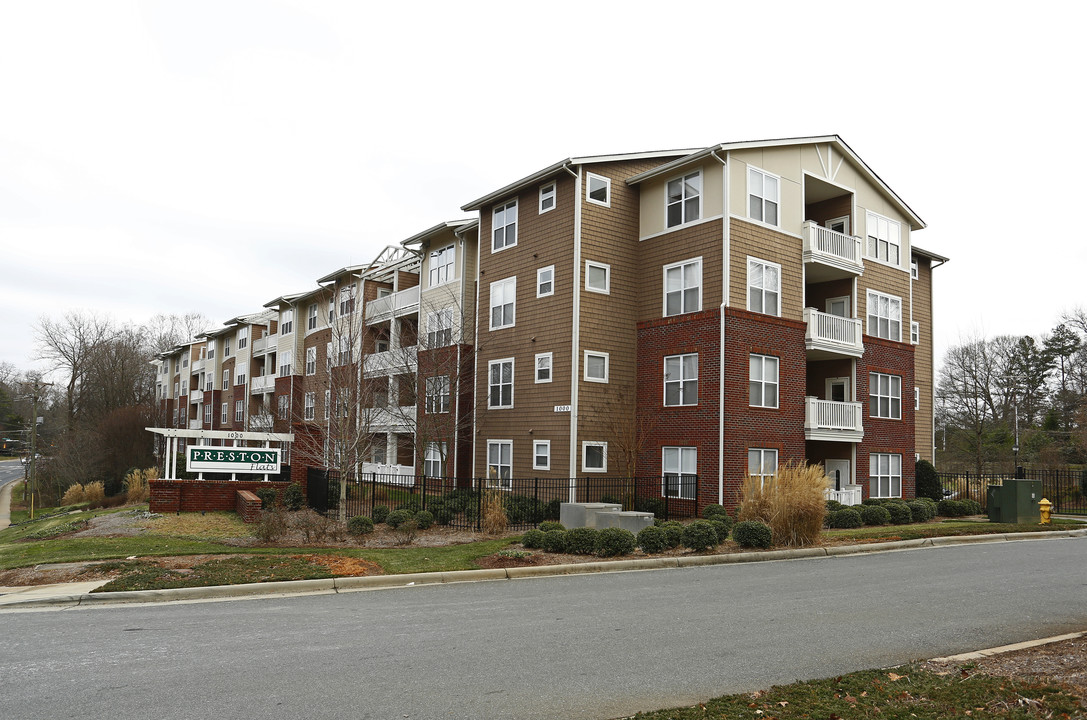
(967, 398)
(69, 344)
(163, 332)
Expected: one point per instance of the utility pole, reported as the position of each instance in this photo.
(35, 394)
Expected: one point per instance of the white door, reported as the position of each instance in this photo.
(838, 389)
(838, 306)
(838, 472)
(839, 225)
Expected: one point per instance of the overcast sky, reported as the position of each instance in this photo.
(211, 156)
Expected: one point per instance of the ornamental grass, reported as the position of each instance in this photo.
(792, 503)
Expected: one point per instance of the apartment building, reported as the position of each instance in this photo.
(704, 315)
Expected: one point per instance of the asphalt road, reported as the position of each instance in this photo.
(597, 646)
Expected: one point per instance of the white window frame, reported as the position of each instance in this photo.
(309, 406)
(762, 195)
(541, 281)
(286, 362)
(881, 234)
(757, 273)
(681, 382)
(239, 411)
(914, 270)
(500, 480)
(585, 445)
(328, 404)
(684, 267)
(286, 321)
(507, 215)
(537, 445)
(915, 333)
(241, 369)
(490, 385)
(434, 456)
(917, 398)
(311, 317)
(226, 348)
(436, 393)
(207, 413)
(242, 337)
(226, 379)
(347, 300)
(548, 194)
(882, 477)
(550, 367)
(343, 357)
(283, 406)
(223, 414)
(673, 460)
(764, 456)
(311, 361)
(443, 265)
(606, 289)
(884, 396)
(439, 325)
(590, 178)
(874, 301)
(682, 199)
(597, 355)
(762, 361)
(504, 291)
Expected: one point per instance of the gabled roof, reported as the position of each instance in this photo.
(454, 225)
(835, 140)
(283, 300)
(928, 254)
(562, 165)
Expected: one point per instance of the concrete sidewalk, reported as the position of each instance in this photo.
(70, 595)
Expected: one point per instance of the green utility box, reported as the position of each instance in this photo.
(1016, 501)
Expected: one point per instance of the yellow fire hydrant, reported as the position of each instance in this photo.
(1044, 507)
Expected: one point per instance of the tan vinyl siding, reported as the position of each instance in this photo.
(923, 361)
(756, 241)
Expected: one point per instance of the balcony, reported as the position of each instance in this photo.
(398, 304)
(262, 384)
(832, 254)
(388, 474)
(261, 423)
(399, 419)
(195, 424)
(848, 495)
(196, 396)
(833, 421)
(263, 345)
(829, 336)
(198, 365)
(392, 362)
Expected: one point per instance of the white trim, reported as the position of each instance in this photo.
(535, 453)
(664, 286)
(684, 222)
(585, 445)
(763, 382)
(868, 314)
(915, 332)
(873, 392)
(607, 277)
(550, 367)
(553, 196)
(512, 383)
(680, 381)
(916, 399)
(678, 470)
(539, 272)
(747, 287)
(670, 230)
(762, 197)
(516, 229)
(575, 340)
(487, 460)
(589, 177)
(491, 305)
(607, 363)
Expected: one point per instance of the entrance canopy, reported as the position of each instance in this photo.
(172, 436)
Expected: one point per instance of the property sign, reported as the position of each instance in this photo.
(201, 458)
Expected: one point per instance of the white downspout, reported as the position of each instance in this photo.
(576, 339)
(726, 250)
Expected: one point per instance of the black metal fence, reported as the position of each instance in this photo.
(1066, 489)
(459, 502)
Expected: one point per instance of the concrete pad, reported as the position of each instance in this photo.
(575, 515)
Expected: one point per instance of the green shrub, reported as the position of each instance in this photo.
(614, 541)
(397, 518)
(424, 519)
(919, 511)
(721, 526)
(875, 515)
(973, 507)
(713, 510)
(267, 497)
(381, 513)
(549, 525)
(834, 506)
(872, 501)
(700, 535)
(552, 510)
(846, 517)
(928, 501)
(442, 511)
(293, 497)
(927, 481)
(524, 509)
(459, 500)
(650, 505)
(360, 525)
(554, 541)
(952, 508)
(581, 541)
(653, 539)
(673, 532)
(753, 534)
(533, 539)
(611, 500)
(411, 505)
(900, 513)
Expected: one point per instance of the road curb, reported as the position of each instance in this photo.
(978, 654)
(380, 582)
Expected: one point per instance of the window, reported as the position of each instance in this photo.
(545, 281)
(226, 349)
(763, 287)
(434, 459)
(437, 394)
(284, 407)
(541, 454)
(185, 385)
(913, 270)
(884, 316)
(500, 463)
(917, 398)
(500, 394)
(328, 403)
(442, 265)
(240, 371)
(239, 411)
(165, 368)
(311, 317)
(439, 328)
(683, 287)
(175, 390)
(764, 381)
(884, 396)
(222, 414)
(915, 333)
(543, 368)
(286, 359)
(884, 238)
(762, 463)
(211, 352)
(503, 299)
(684, 199)
(594, 456)
(347, 300)
(504, 226)
(226, 379)
(345, 351)
(597, 277)
(547, 197)
(885, 470)
(598, 189)
(185, 362)
(211, 382)
(311, 361)
(207, 413)
(243, 337)
(681, 379)
(309, 405)
(286, 322)
(596, 366)
(331, 309)
(762, 196)
(679, 467)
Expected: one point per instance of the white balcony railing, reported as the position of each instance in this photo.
(263, 345)
(198, 365)
(262, 384)
(848, 495)
(834, 334)
(391, 419)
(389, 474)
(395, 305)
(195, 424)
(829, 247)
(196, 396)
(261, 423)
(392, 362)
(831, 420)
